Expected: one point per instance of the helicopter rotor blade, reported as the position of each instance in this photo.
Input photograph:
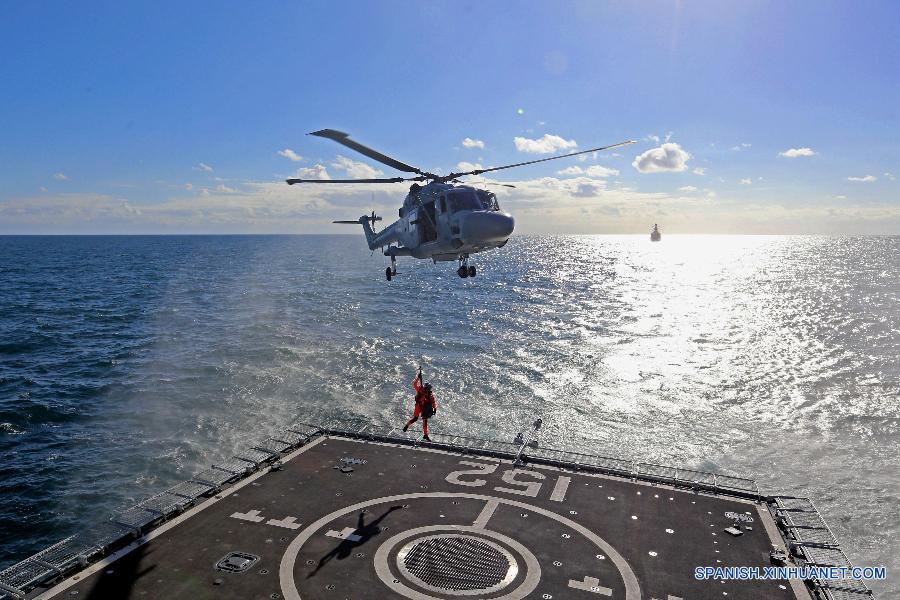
(485, 183)
(389, 180)
(344, 139)
(540, 160)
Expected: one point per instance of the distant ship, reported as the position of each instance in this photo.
(655, 235)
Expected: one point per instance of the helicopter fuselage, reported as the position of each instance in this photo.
(444, 222)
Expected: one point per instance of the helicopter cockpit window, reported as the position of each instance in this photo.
(488, 200)
(464, 200)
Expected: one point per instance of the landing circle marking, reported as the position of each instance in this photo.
(286, 569)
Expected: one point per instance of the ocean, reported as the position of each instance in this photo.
(128, 363)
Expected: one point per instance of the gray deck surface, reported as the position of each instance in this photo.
(321, 533)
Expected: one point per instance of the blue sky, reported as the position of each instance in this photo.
(761, 117)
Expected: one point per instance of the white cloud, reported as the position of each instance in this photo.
(467, 166)
(795, 152)
(668, 157)
(203, 167)
(745, 181)
(841, 197)
(355, 169)
(700, 171)
(599, 171)
(593, 171)
(544, 145)
(687, 189)
(290, 155)
(890, 176)
(740, 147)
(864, 179)
(315, 172)
(189, 186)
(42, 188)
(544, 205)
(224, 189)
(470, 143)
(60, 176)
(652, 138)
(571, 171)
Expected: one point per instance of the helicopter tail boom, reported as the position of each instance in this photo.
(366, 222)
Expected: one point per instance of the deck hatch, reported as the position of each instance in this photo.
(236, 562)
(453, 563)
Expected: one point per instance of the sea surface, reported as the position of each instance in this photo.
(129, 363)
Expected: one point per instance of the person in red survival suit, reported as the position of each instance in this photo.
(425, 405)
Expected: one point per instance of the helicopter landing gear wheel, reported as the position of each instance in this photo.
(391, 271)
(464, 269)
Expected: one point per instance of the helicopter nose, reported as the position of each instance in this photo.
(486, 227)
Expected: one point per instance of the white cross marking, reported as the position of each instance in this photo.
(250, 515)
(287, 523)
(590, 584)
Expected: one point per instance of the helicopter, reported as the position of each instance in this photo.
(444, 220)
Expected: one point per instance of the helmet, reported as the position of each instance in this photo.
(427, 387)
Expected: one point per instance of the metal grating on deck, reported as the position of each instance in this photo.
(190, 489)
(213, 476)
(305, 429)
(825, 557)
(66, 553)
(255, 455)
(236, 465)
(273, 445)
(135, 517)
(845, 589)
(818, 546)
(165, 503)
(290, 437)
(26, 574)
(794, 504)
(104, 534)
